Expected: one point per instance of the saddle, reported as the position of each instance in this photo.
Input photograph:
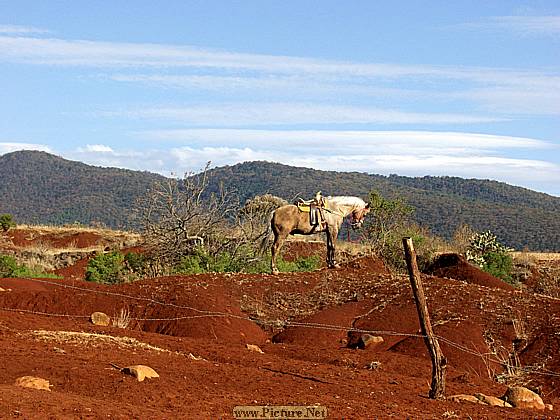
(315, 208)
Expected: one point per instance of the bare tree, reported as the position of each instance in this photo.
(179, 215)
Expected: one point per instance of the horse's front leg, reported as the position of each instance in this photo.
(331, 248)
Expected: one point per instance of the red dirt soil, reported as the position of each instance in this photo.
(456, 267)
(202, 323)
(29, 237)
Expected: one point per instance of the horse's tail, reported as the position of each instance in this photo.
(266, 236)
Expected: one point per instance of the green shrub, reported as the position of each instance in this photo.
(9, 267)
(106, 268)
(201, 262)
(302, 264)
(135, 262)
(392, 253)
(191, 264)
(490, 255)
(6, 222)
(499, 265)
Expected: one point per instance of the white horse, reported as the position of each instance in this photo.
(289, 220)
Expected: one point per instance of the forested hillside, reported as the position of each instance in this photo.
(518, 216)
(38, 187)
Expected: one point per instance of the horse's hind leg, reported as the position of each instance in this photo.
(278, 241)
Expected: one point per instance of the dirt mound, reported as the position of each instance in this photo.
(545, 345)
(76, 271)
(370, 263)
(196, 310)
(173, 306)
(292, 250)
(456, 267)
(324, 335)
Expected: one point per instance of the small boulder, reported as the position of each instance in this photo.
(493, 401)
(521, 397)
(368, 340)
(465, 397)
(255, 348)
(100, 318)
(33, 382)
(140, 372)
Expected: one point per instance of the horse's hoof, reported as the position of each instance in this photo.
(275, 272)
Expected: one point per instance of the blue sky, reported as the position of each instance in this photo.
(468, 89)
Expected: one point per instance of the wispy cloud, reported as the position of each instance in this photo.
(95, 148)
(501, 90)
(348, 141)
(524, 25)
(255, 114)
(21, 30)
(52, 51)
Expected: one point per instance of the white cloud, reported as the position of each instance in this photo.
(497, 89)
(8, 147)
(526, 25)
(55, 51)
(251, 114)
(21, 30)
(347, 141)
(96, 148)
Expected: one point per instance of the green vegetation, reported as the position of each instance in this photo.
(106, 268)
(201, 262)
(6, 222)
(388, 222)
(9, 267)
(500, 265)
(114, 267)
(40, 188)
(135, 263)
(489, 254)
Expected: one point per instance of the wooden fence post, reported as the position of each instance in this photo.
(439, 361)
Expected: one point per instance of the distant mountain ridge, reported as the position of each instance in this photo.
(518, 216)
(38, 187)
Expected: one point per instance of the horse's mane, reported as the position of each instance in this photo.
(346, 200)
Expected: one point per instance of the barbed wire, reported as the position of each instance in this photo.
(202, 313)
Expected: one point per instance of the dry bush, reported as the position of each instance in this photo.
(523, 265)
(462, 239)
(183, 218)
(122, 319)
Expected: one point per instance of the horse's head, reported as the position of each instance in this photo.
(357, 216)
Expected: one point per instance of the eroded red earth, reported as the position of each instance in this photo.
(197, 328)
